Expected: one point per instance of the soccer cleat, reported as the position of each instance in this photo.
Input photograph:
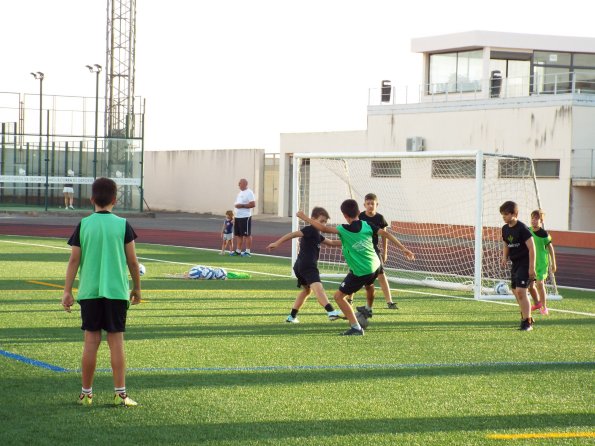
(365, 312)
(537, 306)
(353, 332)
(122, 399)
(85, 399)
(334, 315)
(234, 253)
(292, 320)
(246, 254)
(71, 207)
(544, 311)
(526, 324)
(392, 306)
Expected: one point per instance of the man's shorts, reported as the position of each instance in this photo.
(104, 314)
(242, 227)
(227, 236)
(519, 274)
(306, 276)
(352, 283)
(68, 190)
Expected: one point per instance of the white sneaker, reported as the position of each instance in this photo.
(334, 315)
(292, 320)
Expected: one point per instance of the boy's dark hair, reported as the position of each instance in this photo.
(371, 196)
(104, 191)
(318, 211)
(350, 208)
(509, 207)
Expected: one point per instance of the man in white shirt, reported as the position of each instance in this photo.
(242, 227)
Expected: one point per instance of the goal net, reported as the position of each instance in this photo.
(443, 206)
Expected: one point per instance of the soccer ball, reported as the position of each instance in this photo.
(363, 321)
(208, 273)
(141, 269)
(220, 274)
(501, 288)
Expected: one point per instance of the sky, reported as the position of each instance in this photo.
(236, 74)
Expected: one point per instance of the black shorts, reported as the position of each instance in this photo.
(104, 314)
(306, 276)
(242, 227)
(519, 274)
(352, 283)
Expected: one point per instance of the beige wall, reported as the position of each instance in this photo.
(201, 180)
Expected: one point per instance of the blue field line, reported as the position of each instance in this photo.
(33, 362)
(281, 368)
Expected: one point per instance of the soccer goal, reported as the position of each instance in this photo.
(444, 206)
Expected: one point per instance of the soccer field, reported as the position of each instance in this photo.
(213, 362)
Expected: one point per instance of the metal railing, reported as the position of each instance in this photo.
(492, 88)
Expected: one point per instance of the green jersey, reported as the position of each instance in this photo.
(357, 246)
(542, 256)
(103, 271)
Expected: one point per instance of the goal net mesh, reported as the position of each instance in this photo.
(430, 203)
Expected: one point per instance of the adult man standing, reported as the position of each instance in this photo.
(242, 227)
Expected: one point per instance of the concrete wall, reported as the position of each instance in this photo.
(201, 180)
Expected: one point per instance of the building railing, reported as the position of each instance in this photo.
(583, 164)
(492, 88)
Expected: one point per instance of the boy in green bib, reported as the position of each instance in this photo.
(358, 249)
(103, 253)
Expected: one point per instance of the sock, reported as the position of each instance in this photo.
(88, 391)
(357, 326)
(329, 307)
(368, 307)
(294, 312)
(248, 251)
(119, 390)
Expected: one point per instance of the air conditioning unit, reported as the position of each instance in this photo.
(415, 144)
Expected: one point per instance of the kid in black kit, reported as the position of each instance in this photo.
(306, 265)
(520, 249)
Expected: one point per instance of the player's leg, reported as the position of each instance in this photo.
(71, 199)
(540, 285)
(117, 358)
(385, 286)
(324, 302)
(534, 296)
(92, 339)
(347, 310)
(237, 231)
(223, 245)
(65, 200)
(248, 236)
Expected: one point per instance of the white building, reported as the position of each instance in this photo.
(528, 95)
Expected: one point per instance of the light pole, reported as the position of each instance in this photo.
(95, 69)
(39, 76)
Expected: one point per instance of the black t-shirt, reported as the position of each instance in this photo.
(309, 247)
(356, 226)
(75, 238)
(378, 221)
(516, 237)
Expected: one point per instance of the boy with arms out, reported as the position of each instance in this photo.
(520, 248)
(358, 250)
(103, 248)
(372, 216)
(306, 265)
(544, 250)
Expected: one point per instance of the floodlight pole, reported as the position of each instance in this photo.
(95, 69)
(39, 76)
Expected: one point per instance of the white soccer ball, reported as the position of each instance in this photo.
(363, 321)
(501, 288)
(208, 273)
(141, 269)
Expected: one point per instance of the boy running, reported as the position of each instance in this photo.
(306, 265)
(103, 248)
(520, 248)
(544, 250)
(358, 250)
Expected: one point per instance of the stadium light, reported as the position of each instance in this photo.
(95, 69)
(39, 76)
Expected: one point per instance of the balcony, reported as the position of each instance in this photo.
(494, 88)
(583, 167)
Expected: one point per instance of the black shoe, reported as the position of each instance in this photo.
(526, 324)
(392, 306)
(353, 332)
(365, 312)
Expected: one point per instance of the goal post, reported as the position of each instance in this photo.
(444, 206)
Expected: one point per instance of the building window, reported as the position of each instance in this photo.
(454, 168)
(455, 72)
(383, 169)
(547, 168)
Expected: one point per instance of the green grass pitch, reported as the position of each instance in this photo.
(214, 363)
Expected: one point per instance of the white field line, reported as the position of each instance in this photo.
(326, 281)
